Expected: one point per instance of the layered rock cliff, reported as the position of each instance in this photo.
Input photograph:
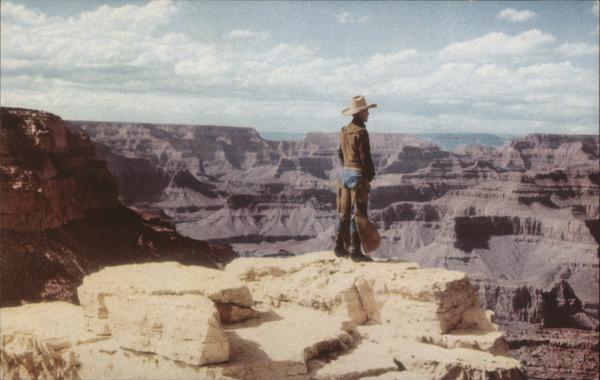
(523, 214)
(308, 317)
(50, 175)
(557, 306)
(60, 217)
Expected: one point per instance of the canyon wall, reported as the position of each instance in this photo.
(50, 175)
(60, 217)
(522, 214)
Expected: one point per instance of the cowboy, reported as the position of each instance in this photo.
(354, 182)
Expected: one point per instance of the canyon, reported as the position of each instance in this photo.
(526, 213)
(520, 219)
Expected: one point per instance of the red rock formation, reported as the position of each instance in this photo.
(60, 217)
(49, 174)
(556, 307)
(553, 353)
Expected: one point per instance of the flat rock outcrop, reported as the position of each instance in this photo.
(313, 317)
(101, 295)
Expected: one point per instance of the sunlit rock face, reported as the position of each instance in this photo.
(60, 217)
(313, 316)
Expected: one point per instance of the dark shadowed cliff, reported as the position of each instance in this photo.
(60, 218)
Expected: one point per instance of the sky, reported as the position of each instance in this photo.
(450, 67)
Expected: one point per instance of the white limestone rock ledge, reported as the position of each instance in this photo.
(313, 316)
(160, 279)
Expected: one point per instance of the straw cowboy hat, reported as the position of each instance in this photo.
(357, 104)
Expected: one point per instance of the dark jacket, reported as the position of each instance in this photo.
(355, 149)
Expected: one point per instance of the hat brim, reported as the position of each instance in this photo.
(351, 111)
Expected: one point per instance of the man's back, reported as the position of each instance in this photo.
(355, 150)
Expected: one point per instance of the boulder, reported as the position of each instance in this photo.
(158, 279)
(183, 328)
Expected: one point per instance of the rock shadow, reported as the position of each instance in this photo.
(328, 357)
(261, 318)
(248, 360)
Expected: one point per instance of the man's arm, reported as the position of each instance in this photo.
(364, 149)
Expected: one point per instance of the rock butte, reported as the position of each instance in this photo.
(308, 317)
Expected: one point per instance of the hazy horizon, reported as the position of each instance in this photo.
(291, 67)
(261, 131)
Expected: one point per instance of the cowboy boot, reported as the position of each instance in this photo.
(340, 249)
(355, 250)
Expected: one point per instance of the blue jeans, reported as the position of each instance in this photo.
(351, 200)
(349, 178)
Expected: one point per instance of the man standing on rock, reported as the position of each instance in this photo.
(354, 182)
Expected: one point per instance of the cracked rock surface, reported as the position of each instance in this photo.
(308, 317)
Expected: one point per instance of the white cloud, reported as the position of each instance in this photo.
(348, 18)
(575, 49)
(20, 13)
(381, 62)
(498, 44)
(344, 18)
(513, 15)
(247, 33)
(97, 64)
(129, 17)
(241, 33)
(207, 64)
(106, 37)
